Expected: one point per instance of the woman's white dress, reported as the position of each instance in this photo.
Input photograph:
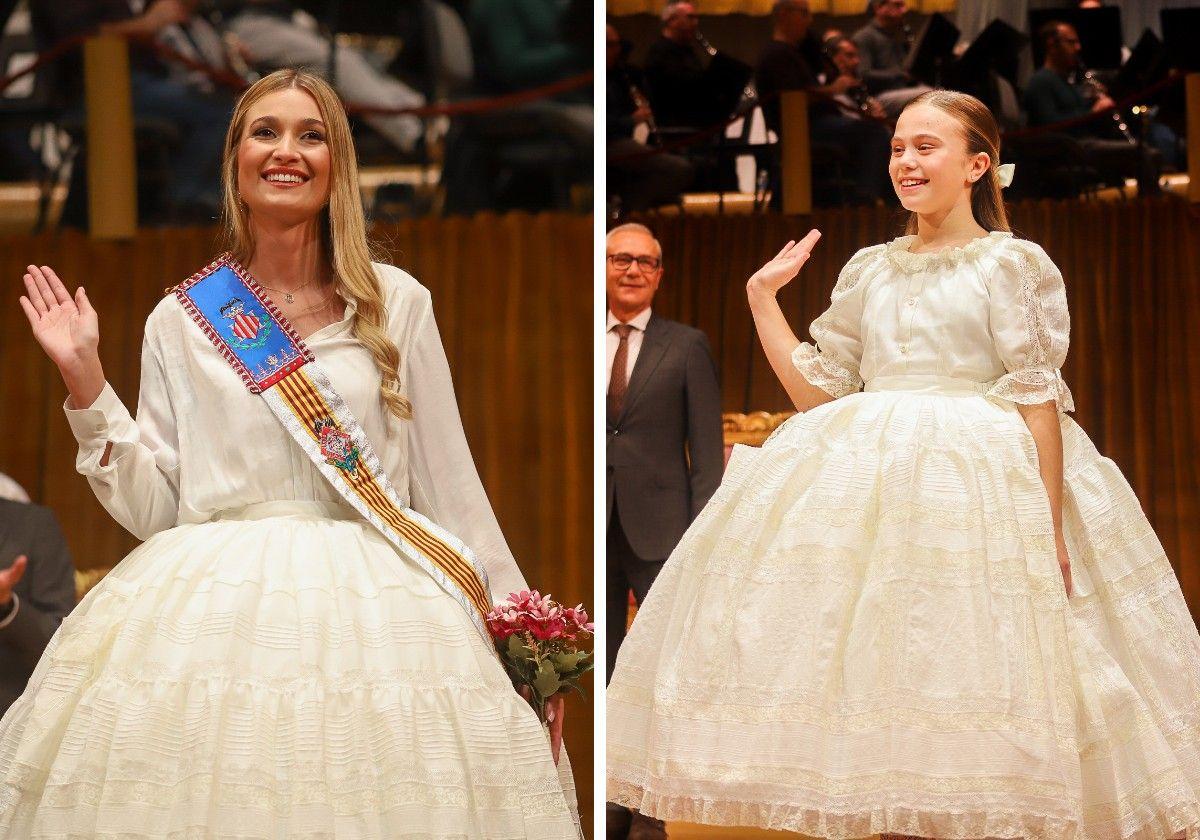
(867, 630)
(265, 664)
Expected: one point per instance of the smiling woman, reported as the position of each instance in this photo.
(298, 648)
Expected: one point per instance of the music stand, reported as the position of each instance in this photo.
(1179, 28)
(1147, 64)
(932, 50)
(998, 47)
(1099, 34)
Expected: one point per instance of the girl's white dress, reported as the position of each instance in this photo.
(265, 664)
(866, 629)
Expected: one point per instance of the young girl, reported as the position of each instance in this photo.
(293, 651)
(927, 607)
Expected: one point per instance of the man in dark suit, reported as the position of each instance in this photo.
(665, 447)
(37, 590)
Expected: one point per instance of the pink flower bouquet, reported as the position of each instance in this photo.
(538, 641)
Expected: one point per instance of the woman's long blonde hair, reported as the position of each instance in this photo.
(981, 135)
(343, 229)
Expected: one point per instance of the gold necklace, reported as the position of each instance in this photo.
(287, 296)
(319, 307)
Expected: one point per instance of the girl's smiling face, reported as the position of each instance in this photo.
(930, 168)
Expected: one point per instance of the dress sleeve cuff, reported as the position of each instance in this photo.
(104, 420)
(824, 371)
(12, 612)
(1030, 387)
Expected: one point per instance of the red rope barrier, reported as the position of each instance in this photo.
(236, 83)
(57, 51)
(472, 106)
(688, 139)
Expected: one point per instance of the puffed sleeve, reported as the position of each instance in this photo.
(832, 365)
(443, 482)
(139, 486)
(1030, 326)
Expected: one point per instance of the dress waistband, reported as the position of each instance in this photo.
(308, 509)
(919, 383)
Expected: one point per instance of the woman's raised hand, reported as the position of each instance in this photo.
(784, 266)
(68, 330)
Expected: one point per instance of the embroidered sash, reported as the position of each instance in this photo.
(263, 348)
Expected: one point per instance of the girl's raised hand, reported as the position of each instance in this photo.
(785, 265)
(66, 326)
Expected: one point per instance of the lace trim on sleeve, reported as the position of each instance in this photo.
(1030, 387)
(824, 371)
(1041, 310)
(852, 272)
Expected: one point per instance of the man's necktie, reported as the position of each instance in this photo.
(618, 381)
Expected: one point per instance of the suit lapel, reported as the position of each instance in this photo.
(654, 344)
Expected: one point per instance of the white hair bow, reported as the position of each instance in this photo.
(1005, 173)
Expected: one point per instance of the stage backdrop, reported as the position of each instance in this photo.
(513, 300)
(1132, 272)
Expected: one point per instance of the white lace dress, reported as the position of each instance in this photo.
(866, 629)
(265, 664)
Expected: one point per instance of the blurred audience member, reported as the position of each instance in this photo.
(1058, 92)
(519, 44)
(201, 116)
(641, 180)
(37, 590)
(273, 40)
(782, 66)
(883, 46)
(10, 490)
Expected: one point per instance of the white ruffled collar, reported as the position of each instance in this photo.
(908, 262)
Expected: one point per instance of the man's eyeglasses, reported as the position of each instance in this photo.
(623, 261)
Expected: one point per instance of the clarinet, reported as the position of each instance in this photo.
(640, 101)
(1097, 89)
(707, 47)
(863, 100)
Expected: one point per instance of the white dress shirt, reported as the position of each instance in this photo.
(613, 340)
(202, 443)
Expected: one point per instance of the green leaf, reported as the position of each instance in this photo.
(568, 661)
(517, 648)
(546, 682)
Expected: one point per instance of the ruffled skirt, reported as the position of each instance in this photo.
(866, 630)
(278, 673)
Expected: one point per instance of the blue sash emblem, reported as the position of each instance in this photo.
(244, 324)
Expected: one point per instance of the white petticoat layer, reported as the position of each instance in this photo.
(279, 673)
(866, 630)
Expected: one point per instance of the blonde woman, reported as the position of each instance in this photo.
(294, 651)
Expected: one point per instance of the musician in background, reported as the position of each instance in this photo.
(843, 61)
(675, 70)
(1058, 92)
(783, 65)
(641, 180)
(883, 46)
(519, 44)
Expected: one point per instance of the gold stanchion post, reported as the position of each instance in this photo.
(112, 168)
(1193, 136)
(796, 177)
